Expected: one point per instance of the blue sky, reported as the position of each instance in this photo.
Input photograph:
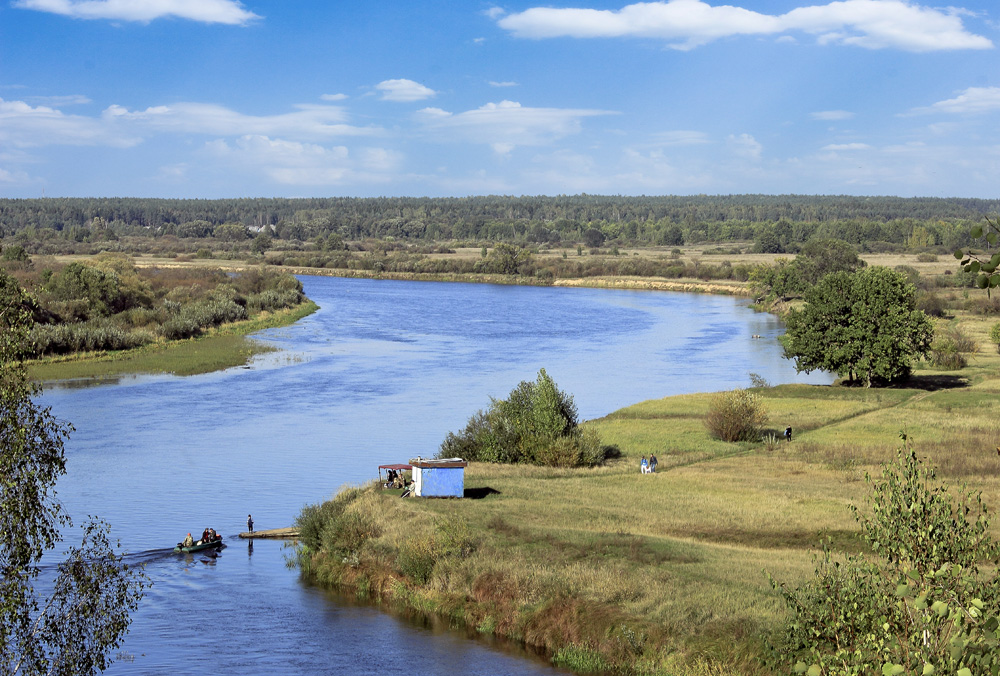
(267, 98)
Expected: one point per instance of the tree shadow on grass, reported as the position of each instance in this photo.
(480, 493)
(932, 383)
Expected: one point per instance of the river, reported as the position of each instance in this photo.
(381, 373)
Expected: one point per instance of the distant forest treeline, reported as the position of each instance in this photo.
(774, 221)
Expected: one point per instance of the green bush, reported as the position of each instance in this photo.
(313, 520)
(736, 415)
(536, 424)
(995, 335)
(347, 532)
(918, 603)
(416, 560)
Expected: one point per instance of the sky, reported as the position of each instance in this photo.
(303, 98)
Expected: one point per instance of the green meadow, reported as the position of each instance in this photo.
(610, 570)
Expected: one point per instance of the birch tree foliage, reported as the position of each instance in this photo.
(83, 614)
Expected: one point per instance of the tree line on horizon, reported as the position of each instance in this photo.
(776, 223)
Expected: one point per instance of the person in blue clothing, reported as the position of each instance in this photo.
(644, 465)
(249, 523)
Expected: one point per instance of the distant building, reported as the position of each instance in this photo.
(439, 478)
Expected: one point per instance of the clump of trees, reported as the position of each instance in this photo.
(84, 613)
(863, 325)
(925, 601)
(817, 259)
(109, 304)
(536, 424)
(737, 415)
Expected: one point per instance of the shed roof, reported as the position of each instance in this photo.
(396, 466)
(445, 463)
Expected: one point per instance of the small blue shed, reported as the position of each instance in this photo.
(439, 478)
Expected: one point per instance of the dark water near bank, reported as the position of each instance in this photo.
(380, 374)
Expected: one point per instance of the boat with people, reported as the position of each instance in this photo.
(209, 539)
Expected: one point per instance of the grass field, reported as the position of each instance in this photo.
(609, 569)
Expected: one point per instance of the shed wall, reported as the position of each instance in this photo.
(441, 482)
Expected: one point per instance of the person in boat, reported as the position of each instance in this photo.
(188, 541)
(204, 536)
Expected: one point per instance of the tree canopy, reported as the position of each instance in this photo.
(863, 325)
(84, 618)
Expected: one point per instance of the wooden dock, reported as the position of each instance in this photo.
(272, 534)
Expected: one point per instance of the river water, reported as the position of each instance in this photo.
(381, 373)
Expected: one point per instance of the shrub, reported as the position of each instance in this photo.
(536, 424)
(313, 520)
(918, 604)
(346, 533)
(416, 560)
(927, 258)
(931, 304)
(995, 335)
(736, 415)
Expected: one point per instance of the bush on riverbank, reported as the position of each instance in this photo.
(537, 424)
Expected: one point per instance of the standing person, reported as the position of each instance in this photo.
(652, 464)
(644, 465)
(788, 433)
(249, 523)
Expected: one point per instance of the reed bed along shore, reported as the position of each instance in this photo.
(610, 570)
(219, 348)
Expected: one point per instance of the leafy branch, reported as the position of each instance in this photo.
(984, 262)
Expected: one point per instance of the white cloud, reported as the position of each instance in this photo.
(832, 115)
(307, 164)
(972, 100)
(307, 122)
(687, 24)
(508, 83)
(507, 124)
(494, 12)
(204, 11)
(333, 97)
(680, 137)
(25, 126)
(745, 146)
(404, 90)
(59, 101)
(846, 146)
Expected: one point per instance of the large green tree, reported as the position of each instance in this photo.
(85, 616)
(863, 325)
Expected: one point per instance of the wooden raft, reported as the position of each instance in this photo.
(273, 534)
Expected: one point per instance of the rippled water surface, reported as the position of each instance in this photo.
(380, 374)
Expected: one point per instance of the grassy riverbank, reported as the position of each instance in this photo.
(608, 569)
(219, 348)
